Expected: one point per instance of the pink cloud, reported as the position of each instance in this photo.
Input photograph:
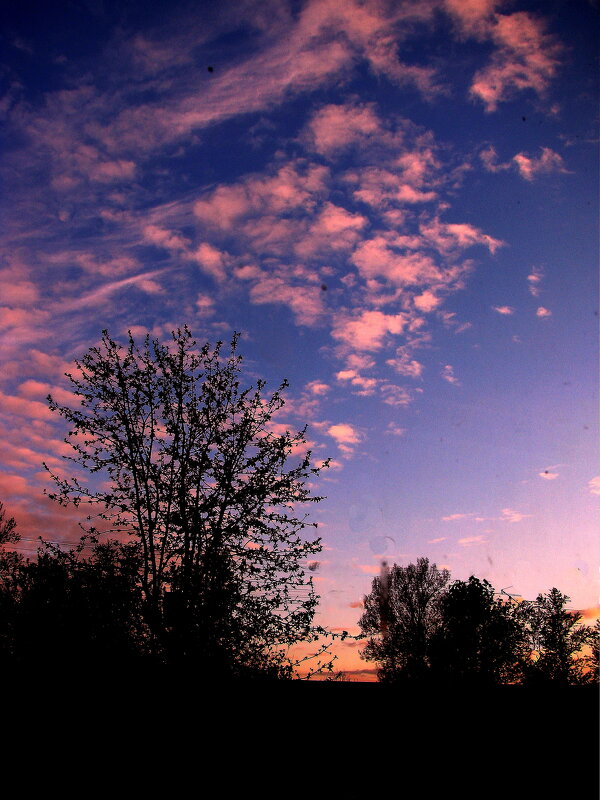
(20, 293)
(363, 386)
(395, 429)
(318, 387)
(370, 30)
(111, 171)
(304, 301)
(343, 433)
(446, 237)
(346, 437)
(534, 279)
(103, 293)
(21, 407)
(14, 486)
(594, 485)
(543, 313)
(510, 515)
(526, 58)
(489, 159)
(169, 240)
(473, 16)
(405, 365)
(427, 301)
(367, 330)
(224, 206)
(529, 167)
(205, 305)
(333, 229)
(506, 311)
(211, 260)
(335, 127)
(396, 396)
(47, 364)
(379, 187)
(20, 318)
(288, 189)
(448, 375)
(33, 388)
(419, 164)
(377, 257)
(369, 569)
(359, 361)
(469, 541)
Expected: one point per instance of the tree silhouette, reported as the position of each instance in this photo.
(64, 610)
(10, 563)
(480, 640)
(401, 615)
(557, 639)
(205, 494)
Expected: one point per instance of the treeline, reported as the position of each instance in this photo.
(196, 555)
(420, 627)
(196, 551)
(84, 610)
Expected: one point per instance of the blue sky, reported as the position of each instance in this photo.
(395, 202)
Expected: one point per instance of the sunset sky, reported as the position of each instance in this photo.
(396, 203)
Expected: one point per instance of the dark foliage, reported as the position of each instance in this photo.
(558, 643)
(64, 611)
(203, 494)
(206, 572)
(401, 615)
(480, 639)
(418, 628)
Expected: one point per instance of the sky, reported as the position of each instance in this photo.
(395, 203)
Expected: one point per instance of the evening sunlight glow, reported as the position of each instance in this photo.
(395, 205)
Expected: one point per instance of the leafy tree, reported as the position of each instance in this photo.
(401, 615)
(480, 639)
(66, 610)
(8, 528)
(558, 639)
(594, 659)
(10, 562)
(205, 493)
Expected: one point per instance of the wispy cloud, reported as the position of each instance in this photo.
(534, 280)
(449, 376)
(510, 515)
(395, 429)
(469, 541)
(346, 437)
(526, 58)
(506, 311)
(547, 475)
(594, 484)
(529, 166)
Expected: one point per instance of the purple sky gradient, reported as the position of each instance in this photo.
(395, 202)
